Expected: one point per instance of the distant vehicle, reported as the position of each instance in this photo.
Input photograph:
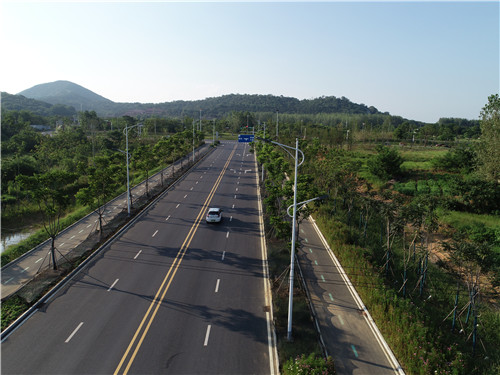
(214, 215)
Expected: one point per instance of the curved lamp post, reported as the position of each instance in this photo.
(292, 257)
(125, 131)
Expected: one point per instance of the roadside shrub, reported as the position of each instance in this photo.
(479, 196)
(310, 365)
(461, 159)
(386, 164)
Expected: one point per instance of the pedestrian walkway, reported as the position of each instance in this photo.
(19, 272)
(347, 331)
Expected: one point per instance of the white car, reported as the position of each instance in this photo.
(214, 215)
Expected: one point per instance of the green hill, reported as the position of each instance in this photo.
(38, 107)
(67, 93)
(73, 95)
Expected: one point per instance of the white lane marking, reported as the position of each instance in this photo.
(223, 254)
(62, 244)
(154, 234)
(9, 280)
(233, 206)
(341, 320)
(168, 217)
(236, 189)
(231, 218)
(185, 196)
(95, 221)
(177, 205)
(72, 237)
(217, 286)
(237, 182)
(89, 225)
(207, 335)
(39, 260)
(238, 177)
(25, 269)
(235, 196)
(248, 170)
(81, 231)
(112, 285)
(227, 235)
(197, 182)
(75, 331)
(140, 251)
(191, 188)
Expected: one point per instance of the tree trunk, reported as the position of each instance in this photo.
(53, 253)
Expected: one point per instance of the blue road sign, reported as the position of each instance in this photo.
(245, 138)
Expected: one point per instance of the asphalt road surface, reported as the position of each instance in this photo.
(172, 295)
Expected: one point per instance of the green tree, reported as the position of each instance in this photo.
(102, 184)
(145, 161)
(163, 149)
(489, 147)
(51, 191)
(386, 164)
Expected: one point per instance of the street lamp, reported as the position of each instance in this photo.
(302, 204)
(305, 202)
(292, 257)
(193, 141)
(127, 156)
(277, 121)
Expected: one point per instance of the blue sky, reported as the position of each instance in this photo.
(420, 60)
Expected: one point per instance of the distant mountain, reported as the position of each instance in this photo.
(67, 93)
(71, 94)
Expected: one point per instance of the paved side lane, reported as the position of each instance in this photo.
(347, 329)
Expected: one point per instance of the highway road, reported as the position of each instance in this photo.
(171, 295)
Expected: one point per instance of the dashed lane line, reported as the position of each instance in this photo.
(112, 285)
(207, 335)
(74, 332)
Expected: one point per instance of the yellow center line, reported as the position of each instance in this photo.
(172, 271)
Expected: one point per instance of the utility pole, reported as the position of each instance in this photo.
(277, 122)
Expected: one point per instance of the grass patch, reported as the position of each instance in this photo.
(458, 219)
(12, 308)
